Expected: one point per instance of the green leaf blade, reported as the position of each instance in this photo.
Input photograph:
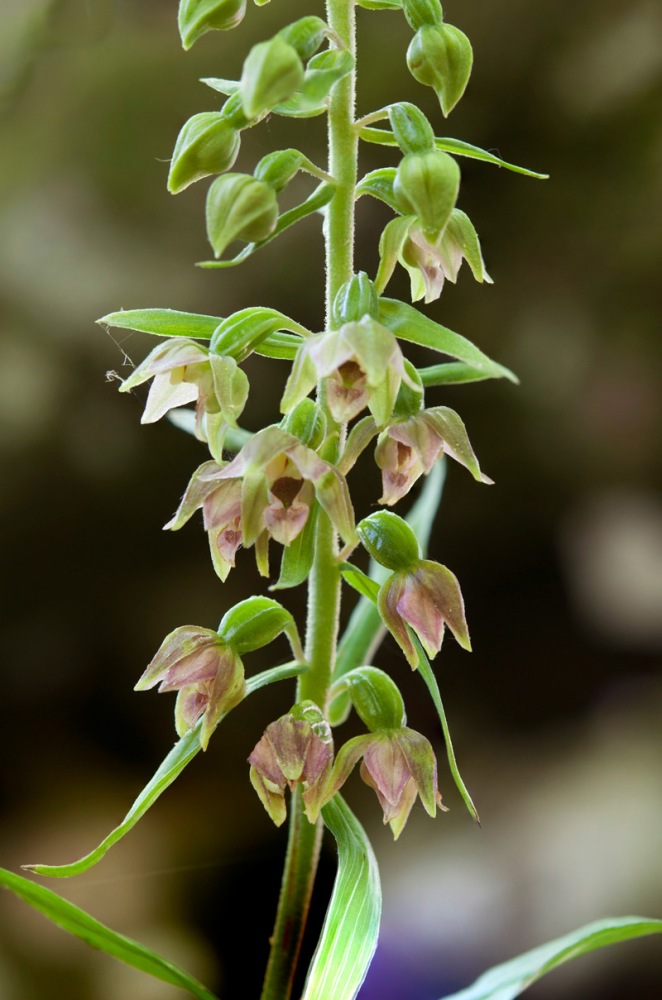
(163, 322)
(179, 757)
(510, 979)
(351, 927)
(79, 923)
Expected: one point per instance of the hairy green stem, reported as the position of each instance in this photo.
(325, 580)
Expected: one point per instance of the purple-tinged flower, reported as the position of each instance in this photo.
(426, 597)
(362, 364)
(408, 449)
(184, 371)
(266, 492)
(206, 672)
(398, 764)
(296, 749)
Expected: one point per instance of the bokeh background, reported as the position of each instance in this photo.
(556, 715)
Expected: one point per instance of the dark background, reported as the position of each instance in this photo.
(556, 715)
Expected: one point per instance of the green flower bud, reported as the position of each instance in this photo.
(305, 35)
(410, 400)
(389, 540)
(207, 144)
(272, 72)
(306, 422)
(239, 207)
(412, 130)
(375, 697)
(277, 169)
(441, 57)
(254, 623)
(355, 299)
(421, 12)
(199, 16)
(428, 185)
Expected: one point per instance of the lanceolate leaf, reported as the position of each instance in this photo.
(425, 670)
(163, 322)
(181, 754)
(408, 323)
(509, 980)
(384, 137)
(76, 921)
(452, 373)
(351, 927)
(320, 197)
(283, 346)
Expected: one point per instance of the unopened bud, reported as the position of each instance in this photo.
(413, 132)
(207, 144)
(306, 422)
(375, 697)
(305, 35)
(354, 300)
(254, 623)
(272, 72)
(277, 169)
(199, 16)
(441, 57)
(428, 185)
(421, 12)
(389, 540)
(239, 207)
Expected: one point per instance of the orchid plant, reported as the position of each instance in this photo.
(350, 388)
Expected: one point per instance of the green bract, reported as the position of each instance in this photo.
(207, 144)
(428, 186)
(239, 207)
(198, 16)
(272, 72)
(389, 540)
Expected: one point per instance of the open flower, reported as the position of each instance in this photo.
(266, 492)
(408, 449)
(184, 371)
(296, 749)
(430, 264)
(427, 597)
(398, 764)
(363, 365)
(206, 672)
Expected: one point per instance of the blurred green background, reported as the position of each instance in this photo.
(556, 715)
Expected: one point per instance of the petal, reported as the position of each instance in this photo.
(346, 759)
(177, 352)
(387, 605)
(400, 465)
(273, 801)
(447, 425)
(167, 393)
(197, 491)
(422, 765)
(226, 691)
(201, 665)
(191, 703)
(284, 524)
(386, 764)
(419, 605)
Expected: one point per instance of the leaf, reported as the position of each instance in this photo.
(380, 4)
(379, 184)
(181, 754)
(184, 420)
(351, 926)
(425, 670)
(384, 137)
(320, 197)
(282, 346)
(76, 921)
(453, 373)
(408, 323)
(360, 581)
(242, 332)
(163, 322)
(510, 979)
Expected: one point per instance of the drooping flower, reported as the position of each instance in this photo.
(427, 597)
(398, 764)
(184, 371)
(295, 749)
(363, 365)
(206, 672)
(408, 449)
(265, 492)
